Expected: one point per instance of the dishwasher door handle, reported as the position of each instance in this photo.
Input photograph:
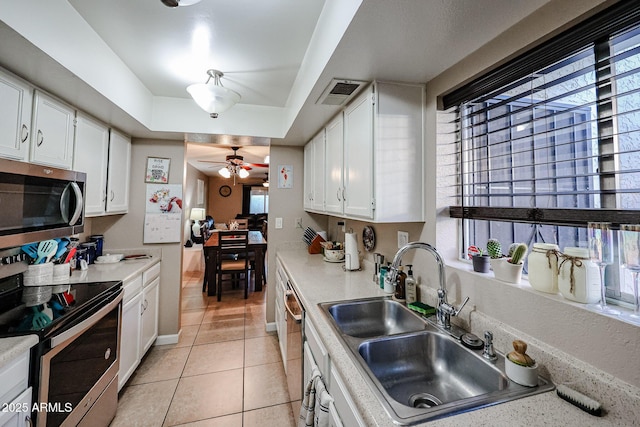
(288, 296)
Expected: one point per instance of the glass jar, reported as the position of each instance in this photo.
(543, 267)
(578, 278)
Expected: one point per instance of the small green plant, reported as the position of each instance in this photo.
(518, 254)
(494, 249)
(512, 247)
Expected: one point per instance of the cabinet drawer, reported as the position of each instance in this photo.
(14, 378)
(150, 274)
(317, 348)
(131, 288)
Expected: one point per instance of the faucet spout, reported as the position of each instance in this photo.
(444, 309)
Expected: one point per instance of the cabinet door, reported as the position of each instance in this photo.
(130, 339)
(358, 157)
(344, 405)
(308, 176)
(281, 325)
(318, 171)
(91, 156)
(15, 117)
(118, 173)
(52, 132)
(334, 190)
(149, 306)
(18, 412)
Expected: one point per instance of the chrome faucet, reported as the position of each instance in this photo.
(488, 352)
(444, 310)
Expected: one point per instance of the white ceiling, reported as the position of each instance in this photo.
(128, 62)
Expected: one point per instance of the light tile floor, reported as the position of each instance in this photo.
(226, 370)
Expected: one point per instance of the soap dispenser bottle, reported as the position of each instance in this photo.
(399, 294)
(410, 286)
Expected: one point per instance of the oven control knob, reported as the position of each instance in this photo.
(107, 353)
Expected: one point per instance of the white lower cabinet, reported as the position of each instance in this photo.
(129, 337)
(342, 411)
(139, 328)
(15, 395)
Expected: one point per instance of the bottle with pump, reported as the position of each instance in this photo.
(410, 286)
(399, 294)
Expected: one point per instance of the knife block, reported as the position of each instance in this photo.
(315, 247)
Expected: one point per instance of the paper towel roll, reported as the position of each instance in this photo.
(351, 258)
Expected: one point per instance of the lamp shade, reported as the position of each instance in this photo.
(197, 214)
(242, 173)
(225, 172)
(211, 96)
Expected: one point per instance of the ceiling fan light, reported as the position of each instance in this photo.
(211, 96)
(265, 184)
(225, 172)
(176, 3)
(242, 173)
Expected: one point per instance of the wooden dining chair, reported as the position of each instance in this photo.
(233, 244)
(243, 223)
(205, 233)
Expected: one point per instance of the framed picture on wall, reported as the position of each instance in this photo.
(285, 176)
(157, 170)
(200, 192)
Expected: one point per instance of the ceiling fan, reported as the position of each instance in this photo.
(235, 165)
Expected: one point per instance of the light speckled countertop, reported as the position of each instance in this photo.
(12, 347)
(317, 281)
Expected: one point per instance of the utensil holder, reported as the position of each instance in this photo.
(38, 275)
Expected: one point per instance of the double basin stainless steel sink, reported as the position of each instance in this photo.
(417, 371)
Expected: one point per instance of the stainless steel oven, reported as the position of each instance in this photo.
(39, 202)
(79, 372)
(74, 366)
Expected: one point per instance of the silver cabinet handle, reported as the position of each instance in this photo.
(40, 138)
(113, 195)
(28, 421)
(338, 194)
(25, 133)
(343, 196)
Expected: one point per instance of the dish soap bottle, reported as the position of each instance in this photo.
(410, 286)
(399, 294)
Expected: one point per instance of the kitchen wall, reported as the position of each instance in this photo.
(224, 209)
(286, 203)
(606, 343)
(123, 232)
(190, 197)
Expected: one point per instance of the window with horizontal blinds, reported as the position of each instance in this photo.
(544, 153)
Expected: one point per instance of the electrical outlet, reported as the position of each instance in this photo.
(298, 222)
(278, 222)
(344, 227)
(403, 238)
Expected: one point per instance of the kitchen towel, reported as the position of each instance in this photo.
(315, 404)
(351, 257)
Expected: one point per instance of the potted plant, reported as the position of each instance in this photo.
(510, 269)
(479, 259)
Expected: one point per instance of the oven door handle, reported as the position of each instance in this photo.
(289, 293)
(85, 324)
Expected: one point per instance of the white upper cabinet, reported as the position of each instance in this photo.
(15, 117)
(314, 173)
(334, 186)
(374, 156)
(119, 173)
(308, 176)
(52, 131)
(318, 144)
(91, 156)
(358, 157)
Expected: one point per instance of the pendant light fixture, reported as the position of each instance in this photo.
(211, 96)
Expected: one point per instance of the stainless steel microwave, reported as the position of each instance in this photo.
(39, 202)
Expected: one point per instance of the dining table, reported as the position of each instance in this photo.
(257, 244)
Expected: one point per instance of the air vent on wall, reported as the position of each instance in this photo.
(340, 91)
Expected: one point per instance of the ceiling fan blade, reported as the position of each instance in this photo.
(246, 167)
(258, 165)
(212, 161)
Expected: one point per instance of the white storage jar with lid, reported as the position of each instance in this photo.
(579, 278)
(543, 267)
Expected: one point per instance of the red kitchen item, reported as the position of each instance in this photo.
(68, 298)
